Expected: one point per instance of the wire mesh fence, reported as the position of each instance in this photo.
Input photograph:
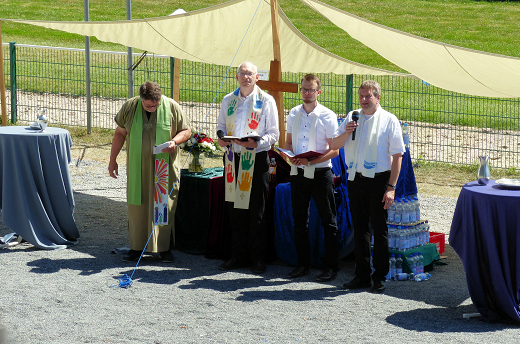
(445, 126)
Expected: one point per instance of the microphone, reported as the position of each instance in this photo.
(355, 118)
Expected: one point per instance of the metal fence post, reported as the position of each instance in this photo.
(12, 75)
(349, 81)
(87, 74)
(172, 74)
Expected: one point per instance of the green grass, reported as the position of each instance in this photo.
(481, 25)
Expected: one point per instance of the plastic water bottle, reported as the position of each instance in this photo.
(420, 263)
(407, 238)
(388, 276)
(398, 265)
(398, 210)
(406, 134)
(417, 208)
(392, 237)
(413, 240)
(404, 276)
(272, 170)
(419, 235)
(426, 232)
(402, 239)
(413, 263)
(422, 277)
(391, 213)
(392, 266)
(405, 217)
(413, 211)
(399, 239)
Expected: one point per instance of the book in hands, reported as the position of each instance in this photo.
(307, 155)
(244, 138)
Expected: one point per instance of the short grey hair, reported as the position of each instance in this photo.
(372, 86)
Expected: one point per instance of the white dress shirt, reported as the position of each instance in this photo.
(268, 126)
(390, 140)
(326, 128)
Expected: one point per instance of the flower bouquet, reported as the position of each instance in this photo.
(196, 144)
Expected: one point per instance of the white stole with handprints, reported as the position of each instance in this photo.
(244, 179)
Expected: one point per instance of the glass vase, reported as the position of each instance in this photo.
(196, 162)
(483, 174)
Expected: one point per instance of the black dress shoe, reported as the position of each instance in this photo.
(231, 264)
(357, 283)
(326, 275)
(166, 256)
(131, 256)
(258, 268)
(300, 271)
(379, 286)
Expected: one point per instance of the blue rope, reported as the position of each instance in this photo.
(126, 281)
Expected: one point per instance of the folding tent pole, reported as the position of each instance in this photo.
(2, 81)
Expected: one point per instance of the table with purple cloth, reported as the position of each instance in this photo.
(485, 233)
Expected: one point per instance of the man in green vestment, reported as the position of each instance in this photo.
(143, 122)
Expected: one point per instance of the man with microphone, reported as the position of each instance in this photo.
(373, 153)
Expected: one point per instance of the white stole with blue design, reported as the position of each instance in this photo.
(370, 150)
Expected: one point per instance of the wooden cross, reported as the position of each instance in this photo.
(275, 86)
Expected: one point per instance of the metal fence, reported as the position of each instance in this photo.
(445, 126)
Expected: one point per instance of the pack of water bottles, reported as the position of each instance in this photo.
(406, 210)
(406, 237)
(416, 263)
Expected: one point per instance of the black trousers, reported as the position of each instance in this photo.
(321, 189)
(365, 200)
(248, 229)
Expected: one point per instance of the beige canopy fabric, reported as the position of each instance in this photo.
(446, 66)
(213, 35)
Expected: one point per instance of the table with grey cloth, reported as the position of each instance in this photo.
(37, 200)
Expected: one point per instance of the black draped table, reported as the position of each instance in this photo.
(485, 233)
(37, 200)
(201, 214)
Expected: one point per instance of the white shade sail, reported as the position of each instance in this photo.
(443, 65)
(214, 34)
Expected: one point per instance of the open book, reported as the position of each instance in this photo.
(306, 155)
(244, 138)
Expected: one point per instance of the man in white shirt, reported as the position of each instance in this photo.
(247, 111)
(373, 153)
(310, 128)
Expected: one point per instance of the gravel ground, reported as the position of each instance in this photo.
(67, 296)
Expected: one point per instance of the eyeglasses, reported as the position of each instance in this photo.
(308, 90)
(365, 97)
(150, 106)
(245, 74)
